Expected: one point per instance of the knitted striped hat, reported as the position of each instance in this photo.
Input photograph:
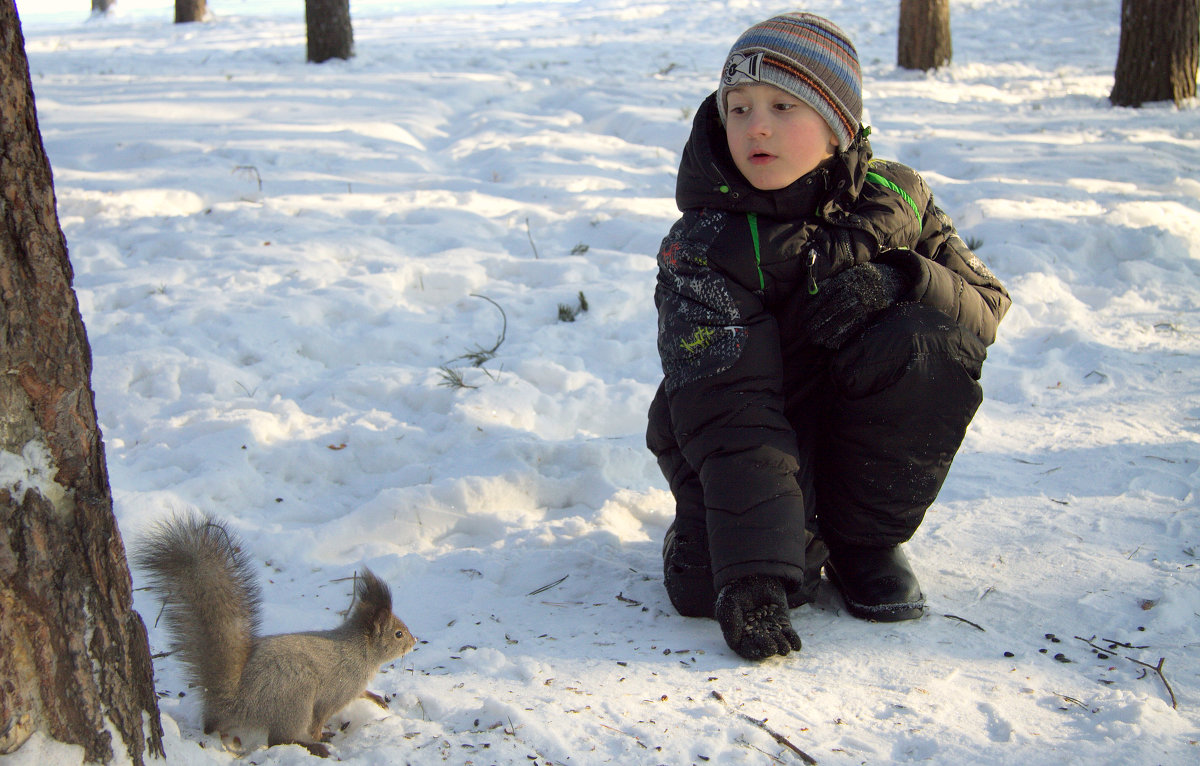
(807, 56)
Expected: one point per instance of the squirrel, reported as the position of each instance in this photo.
(287, 684)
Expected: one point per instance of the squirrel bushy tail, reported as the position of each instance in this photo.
(211, 603)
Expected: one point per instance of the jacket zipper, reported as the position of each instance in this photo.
(753, 219)
(811, 284)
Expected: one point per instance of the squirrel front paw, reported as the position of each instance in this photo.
(378, 700)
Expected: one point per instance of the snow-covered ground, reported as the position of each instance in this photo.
(281, 267)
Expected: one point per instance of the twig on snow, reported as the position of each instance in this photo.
(1072, 700)
(545, 588)
(1114, 642)
(251, 171)
(960, 619)
(481, 354)
(635, 737)
(805, 757)
(741, 740)
(529, 233)
(1156, 668)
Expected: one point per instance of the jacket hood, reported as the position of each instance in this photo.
(708, 176)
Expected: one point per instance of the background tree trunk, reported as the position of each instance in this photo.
(102, 6)
(1157, 58)
(74, 659)
(190, 10)
(924, 41)
(330, 35)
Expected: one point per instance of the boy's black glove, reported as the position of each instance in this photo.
(845, 302)
(753, 615)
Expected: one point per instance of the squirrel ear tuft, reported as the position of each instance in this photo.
(374, 597)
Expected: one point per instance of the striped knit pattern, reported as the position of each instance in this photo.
(806, 55)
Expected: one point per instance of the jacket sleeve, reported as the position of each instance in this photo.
(720, 351)
(947, 275)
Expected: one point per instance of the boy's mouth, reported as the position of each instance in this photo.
(761, 158)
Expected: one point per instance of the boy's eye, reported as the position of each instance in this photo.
(783, 106)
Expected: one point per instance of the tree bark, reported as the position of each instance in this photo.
(190, 10)
(1158, 53)
(924, 40)
(74, 659)
(330, 35)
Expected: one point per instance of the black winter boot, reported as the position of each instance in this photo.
(687, 573)
(876, 583)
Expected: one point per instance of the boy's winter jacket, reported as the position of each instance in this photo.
(735, 272)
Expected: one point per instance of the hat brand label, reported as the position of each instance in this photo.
(741, 68)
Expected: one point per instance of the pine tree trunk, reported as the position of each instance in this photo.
(330, 35)
(1158, 56)
(102, 6)
(924, 41)
(74, 660)
(190, 10)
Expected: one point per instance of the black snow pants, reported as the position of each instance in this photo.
(877, 423)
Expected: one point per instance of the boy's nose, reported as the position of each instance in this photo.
(758, 125)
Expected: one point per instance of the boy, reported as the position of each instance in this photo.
(822, 328)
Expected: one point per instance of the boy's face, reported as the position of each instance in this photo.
(774, 137)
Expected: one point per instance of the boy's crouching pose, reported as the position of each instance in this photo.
(822, 328)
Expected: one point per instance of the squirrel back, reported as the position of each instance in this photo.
(286, 684)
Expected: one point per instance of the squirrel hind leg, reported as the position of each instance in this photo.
(316, 748)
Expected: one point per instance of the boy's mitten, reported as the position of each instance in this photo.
(753, 615)
(845, 302)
